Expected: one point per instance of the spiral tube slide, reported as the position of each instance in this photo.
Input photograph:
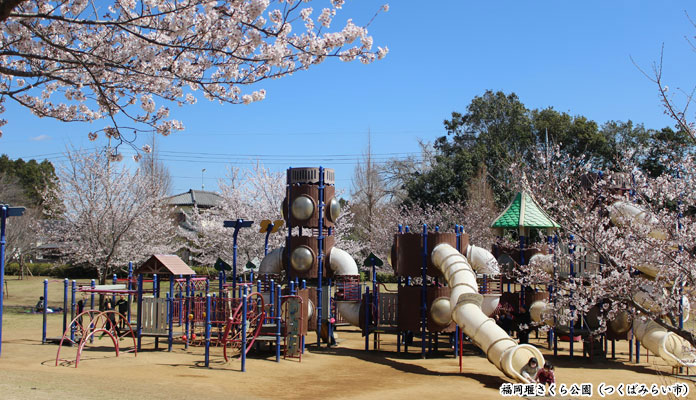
(483, 262)
(501, 350)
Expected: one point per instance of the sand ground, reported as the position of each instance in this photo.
(28, 371)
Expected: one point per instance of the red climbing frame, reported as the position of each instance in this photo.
(255, 315)
(90, 322)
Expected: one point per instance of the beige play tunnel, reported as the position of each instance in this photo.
(501, 350)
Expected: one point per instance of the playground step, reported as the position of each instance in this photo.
(266, 338)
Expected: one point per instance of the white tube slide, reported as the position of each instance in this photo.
(273, 262)
(669, 346)
(501, 350)
(341, 263)
(483, 262)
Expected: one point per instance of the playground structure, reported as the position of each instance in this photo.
(674, 350)
(446, 287)
(86, 325)
(457, 292)
(233, 320)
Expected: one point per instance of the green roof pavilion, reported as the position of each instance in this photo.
(524, 212)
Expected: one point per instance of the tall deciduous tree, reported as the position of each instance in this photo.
(126, 61)
(111, 214)
(368, 198)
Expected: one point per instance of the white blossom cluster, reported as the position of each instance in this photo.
(128, 60)
(578, 197)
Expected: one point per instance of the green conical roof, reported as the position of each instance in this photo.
(524, 212)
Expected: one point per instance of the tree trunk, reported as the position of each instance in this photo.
(6, 7)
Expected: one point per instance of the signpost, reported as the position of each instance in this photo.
(237, 225)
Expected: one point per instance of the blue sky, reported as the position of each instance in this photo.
(574, 56)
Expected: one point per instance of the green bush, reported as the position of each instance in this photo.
(53, 270)
(382, 277)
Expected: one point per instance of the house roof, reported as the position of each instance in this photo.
(199, 198)
(164, 264)
(524, 212)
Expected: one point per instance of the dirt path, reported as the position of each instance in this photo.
(27, 370)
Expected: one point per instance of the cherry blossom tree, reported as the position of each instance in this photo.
(110, 214)
(127, 61)
(614, 255)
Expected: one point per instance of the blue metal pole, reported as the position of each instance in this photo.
(207, 330)
(234, 254)
(571, 250)
(551, 332)
(45, 296)
(140, 310)
(292, 288)
(459, 238)
(456, 341)
(330, 315)
(113, 298)
(367, 318)
(302, 338)
(278, 321)
(170, 322)
(320, 255)
(3, 218)
(555, 272)
(375, 295)
(130, 287)
(244, 331)
(424, 289)
(65, 304)
(181, 305)
(155, 286)
(188, 310)
(170, 314)
(272, 299)
(288, 196)
(268, 233)
(73, 289)
(92, 285)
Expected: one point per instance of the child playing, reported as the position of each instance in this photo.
(545, 375)
(529, 371)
